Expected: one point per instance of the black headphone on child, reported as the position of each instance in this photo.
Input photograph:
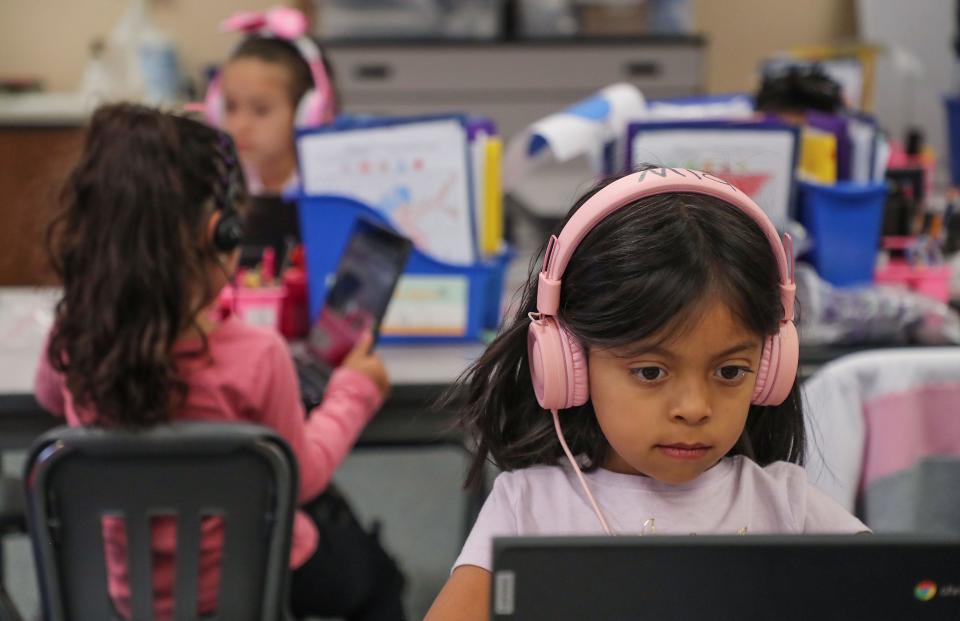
(228, 230)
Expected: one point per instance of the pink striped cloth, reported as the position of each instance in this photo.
(876, 415)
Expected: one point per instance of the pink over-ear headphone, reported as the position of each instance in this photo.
(558, 365)
(316, 107)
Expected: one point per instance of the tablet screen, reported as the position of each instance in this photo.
(361, 289)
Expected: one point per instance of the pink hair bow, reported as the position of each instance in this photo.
(283, 22)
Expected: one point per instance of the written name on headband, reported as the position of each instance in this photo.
(662, 172)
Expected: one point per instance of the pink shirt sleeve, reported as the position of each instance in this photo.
(48, 385)
(322, 441)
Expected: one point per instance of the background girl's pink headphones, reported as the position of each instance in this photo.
(316, 107)
(558, 366)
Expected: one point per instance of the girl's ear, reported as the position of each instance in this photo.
(220, 256)
(212, 229)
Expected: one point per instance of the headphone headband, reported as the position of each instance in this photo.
(646, 183)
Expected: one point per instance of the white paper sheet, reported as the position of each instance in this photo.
(416, 174)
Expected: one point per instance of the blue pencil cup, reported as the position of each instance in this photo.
(953, 137)
(844, 221)
(325, 226)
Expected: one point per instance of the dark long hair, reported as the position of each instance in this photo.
(643, 272)
(132, 248)
(286, 54)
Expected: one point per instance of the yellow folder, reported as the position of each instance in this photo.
(492, 236)
(818, 156)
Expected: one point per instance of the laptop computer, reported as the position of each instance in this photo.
(786, 577)
(357, 299)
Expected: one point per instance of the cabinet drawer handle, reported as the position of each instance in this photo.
(372, 72)
(642, 69)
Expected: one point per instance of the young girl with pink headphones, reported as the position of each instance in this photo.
(647, 383)
(276, 81)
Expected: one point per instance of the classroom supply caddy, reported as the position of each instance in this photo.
(915, 263)
(434, 179)
(932, 281)
(258, 306)
(466, 299)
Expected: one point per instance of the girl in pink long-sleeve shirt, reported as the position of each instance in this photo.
(147, 236)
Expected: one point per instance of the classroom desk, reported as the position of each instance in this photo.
(419, 374)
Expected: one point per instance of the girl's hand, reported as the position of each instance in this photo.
(362, 359)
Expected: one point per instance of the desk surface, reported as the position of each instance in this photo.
(419, 373)
(26, 315)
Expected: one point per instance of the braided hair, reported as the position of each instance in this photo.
(131, 245)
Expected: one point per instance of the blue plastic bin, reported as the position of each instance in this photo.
(953, 137)
(325, 225)
(844, 221)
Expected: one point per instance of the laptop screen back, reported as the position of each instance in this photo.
(731, 577)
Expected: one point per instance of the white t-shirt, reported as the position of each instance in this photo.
(291, 187)
(735, 496)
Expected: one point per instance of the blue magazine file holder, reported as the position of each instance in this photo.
(325, 225)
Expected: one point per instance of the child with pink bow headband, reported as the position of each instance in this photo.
(276, 81)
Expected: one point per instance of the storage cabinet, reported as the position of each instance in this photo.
(515, 83)
(34, 163)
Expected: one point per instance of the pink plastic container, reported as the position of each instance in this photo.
(930, 280)
(258, 307)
